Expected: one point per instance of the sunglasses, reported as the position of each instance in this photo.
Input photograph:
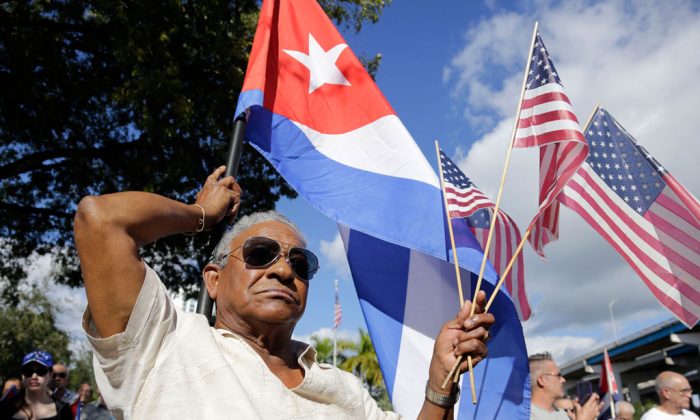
(29, 370)
(259, 252)
(59, 375)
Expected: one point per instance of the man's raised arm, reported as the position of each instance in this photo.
(110, 229)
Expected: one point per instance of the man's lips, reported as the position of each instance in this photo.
(284, 294)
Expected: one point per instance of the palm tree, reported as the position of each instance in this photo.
(365, 365)
(324, 349)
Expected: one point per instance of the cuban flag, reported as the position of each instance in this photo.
(317, 116)
(607, 388)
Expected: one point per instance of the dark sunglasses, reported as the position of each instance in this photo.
(59, 375)
(29, 370)
(259, 252)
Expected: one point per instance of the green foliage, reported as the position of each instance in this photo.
(364, 364)
(28, 326)
(103, 96)
(642, 407)
(324, 349)
(81, 369)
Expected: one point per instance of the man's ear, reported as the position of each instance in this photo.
(540, 381)
(211, 275)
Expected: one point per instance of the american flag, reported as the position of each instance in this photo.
(547, 120)
(338, 310)
(643, 212)
(465, 200)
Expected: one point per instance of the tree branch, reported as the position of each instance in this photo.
(16, 208)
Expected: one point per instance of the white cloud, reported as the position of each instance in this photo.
(334, 252)
(328, 333)
(639, 63)
(69, 302)
(562, 348)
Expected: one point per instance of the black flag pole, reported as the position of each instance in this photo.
(204, 302)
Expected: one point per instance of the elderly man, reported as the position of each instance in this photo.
(674, 393)
(59, 384)
(153, 361)
(547, 384)
(624, 410)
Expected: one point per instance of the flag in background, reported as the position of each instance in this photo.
(317, 116)
(338, 311)
(607, 389)
(643, 212)
(466, 201)
(547, 120)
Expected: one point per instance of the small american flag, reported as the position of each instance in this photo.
(338, 311)
(643, 212)
(465, 200)
(547, 120)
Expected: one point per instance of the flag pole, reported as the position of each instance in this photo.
(458, 277)
(505, 272)
(494, 218)
(335, 327)
(233, 158)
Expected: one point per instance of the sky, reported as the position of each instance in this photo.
(453, 72)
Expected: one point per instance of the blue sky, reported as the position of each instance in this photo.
(452, 71)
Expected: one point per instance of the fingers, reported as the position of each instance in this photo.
(214, 176)
(475, 348)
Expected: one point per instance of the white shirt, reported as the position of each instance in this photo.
(656, 414)
(168, 364)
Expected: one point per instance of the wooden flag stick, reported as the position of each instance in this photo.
(494, 218)
(457, 274)
(505, 272)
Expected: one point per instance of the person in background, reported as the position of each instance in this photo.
(11, 388)
(547, 384)
(96, 410)
(624, 410)
(33, 401)
(60, 385)
(84, 397)
(566, 404)
(674, 393)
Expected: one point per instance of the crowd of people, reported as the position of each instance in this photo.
(42, 393)
(550, 402)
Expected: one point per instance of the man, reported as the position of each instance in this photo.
(547, 384)
(84, 397)
(59, 384)
(96, 410)
(674, 393)
(152, 361)
(624, 410)
(565, 404)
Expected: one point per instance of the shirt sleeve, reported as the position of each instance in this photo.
(123, 361)
(372, 410)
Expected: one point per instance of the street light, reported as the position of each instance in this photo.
(612, 318)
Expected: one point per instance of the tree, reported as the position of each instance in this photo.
(102, 96)
(28, 326)
(81, 369)
(324, 349)
(365, 365)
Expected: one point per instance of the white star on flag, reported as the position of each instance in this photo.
(321, 64)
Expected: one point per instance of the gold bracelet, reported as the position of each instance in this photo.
(200, 222)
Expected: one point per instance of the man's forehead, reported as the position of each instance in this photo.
(269, 229)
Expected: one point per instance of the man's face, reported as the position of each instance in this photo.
(273, 294)
(680, 393)
(551, 379)
(85, 392)
(60, 376)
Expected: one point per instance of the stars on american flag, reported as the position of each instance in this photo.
(453, 175)
(542, 70)
(623, 165)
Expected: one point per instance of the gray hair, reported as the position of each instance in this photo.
(623, 406)
(223, 248)
(535, 362)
